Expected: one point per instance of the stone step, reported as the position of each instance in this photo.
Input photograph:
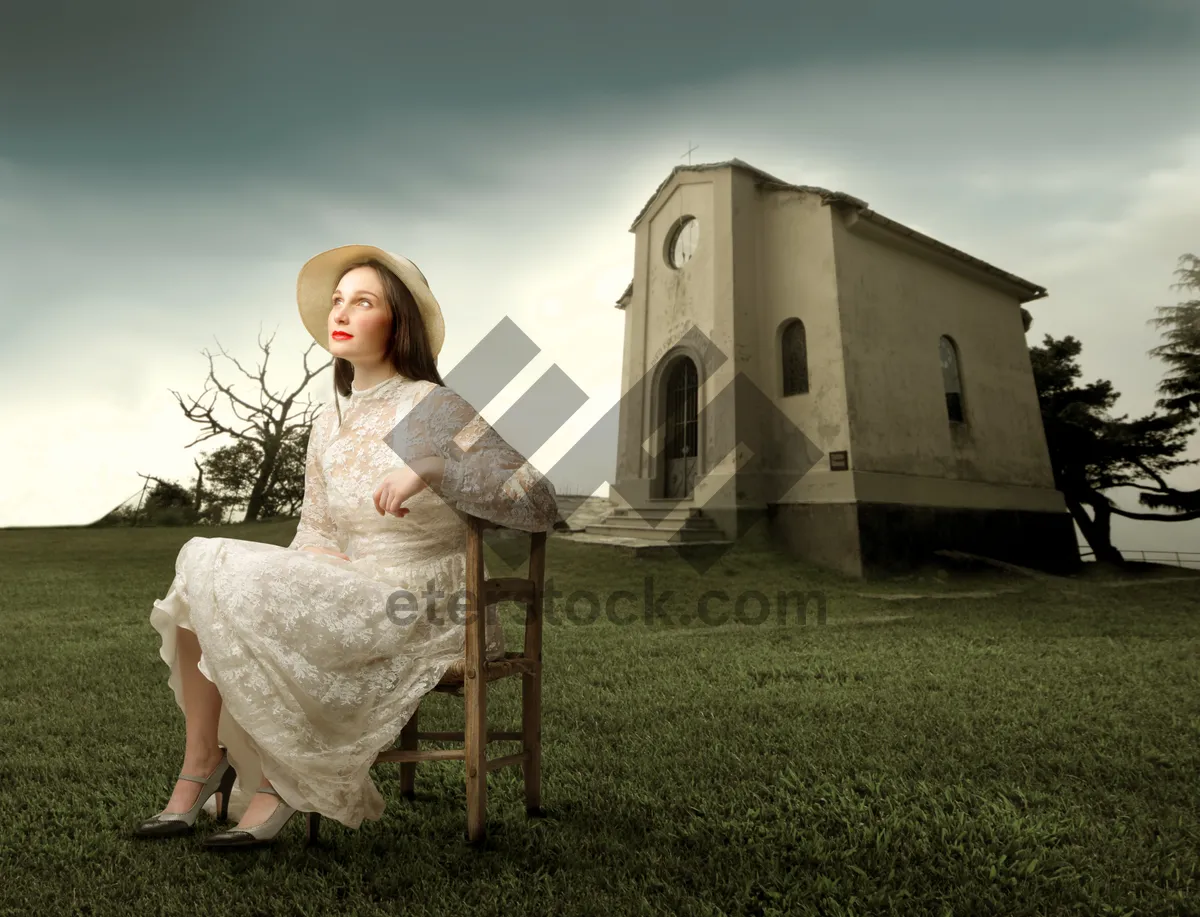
(635, 522)
(577, 513)
(641, 547)
(656, 512)
(662, 534)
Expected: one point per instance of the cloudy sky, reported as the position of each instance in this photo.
(164, 172)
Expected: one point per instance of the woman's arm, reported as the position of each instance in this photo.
(481, 473)
(316, 528)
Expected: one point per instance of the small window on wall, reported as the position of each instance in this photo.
(794, 356)
(952, 380)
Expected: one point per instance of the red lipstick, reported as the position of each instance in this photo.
(341, 336)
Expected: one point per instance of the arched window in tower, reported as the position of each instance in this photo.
(794, 354)
(682, 440)
(951, 380)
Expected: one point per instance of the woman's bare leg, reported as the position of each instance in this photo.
(260, 807)
(202, 712)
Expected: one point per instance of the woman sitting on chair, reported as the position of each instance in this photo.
(294, 667)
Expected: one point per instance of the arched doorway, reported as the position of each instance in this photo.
(681, 390)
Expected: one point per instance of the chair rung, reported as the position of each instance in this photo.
(519, 758)
(426, 754)
(415, 756)
(511, 664)
(508, 589)
(493, 736)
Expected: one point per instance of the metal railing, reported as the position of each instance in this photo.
(1171, 558)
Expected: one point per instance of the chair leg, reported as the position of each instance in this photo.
(475, 748)
(408, 769)
(314, 821)
(531, 740)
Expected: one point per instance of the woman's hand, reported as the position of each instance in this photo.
(317, 549)
(405, 483)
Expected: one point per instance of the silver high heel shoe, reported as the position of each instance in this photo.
(177, 824)
(259, 835)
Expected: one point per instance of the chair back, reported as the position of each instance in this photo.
(482, 592)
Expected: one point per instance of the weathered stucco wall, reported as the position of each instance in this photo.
(785, 269)
(895, 305)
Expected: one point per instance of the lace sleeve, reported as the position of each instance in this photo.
(484, 476)
(316, 526)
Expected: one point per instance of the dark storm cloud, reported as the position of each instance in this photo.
(134, 87)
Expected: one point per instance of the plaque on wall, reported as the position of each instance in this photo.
(839, 461)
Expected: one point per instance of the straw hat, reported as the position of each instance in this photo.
(320, 274)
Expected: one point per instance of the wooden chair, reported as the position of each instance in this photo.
(469, 679)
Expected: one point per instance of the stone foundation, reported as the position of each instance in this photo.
(823, 534)
(874, 539)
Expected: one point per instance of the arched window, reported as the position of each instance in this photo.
(794, 355)
(951, 380)
(682, 433)
(682, 410)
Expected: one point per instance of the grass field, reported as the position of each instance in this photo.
(995, 745)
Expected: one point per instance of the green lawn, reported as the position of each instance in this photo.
(1034, 751)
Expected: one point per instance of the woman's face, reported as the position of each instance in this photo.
(361, 312)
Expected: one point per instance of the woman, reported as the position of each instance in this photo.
(293, 666)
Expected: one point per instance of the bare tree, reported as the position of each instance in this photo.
(264, 419)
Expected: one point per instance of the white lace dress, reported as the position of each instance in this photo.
(317, 671)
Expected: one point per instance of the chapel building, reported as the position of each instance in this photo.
(793, 355)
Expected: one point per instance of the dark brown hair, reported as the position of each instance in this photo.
(410, 352)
